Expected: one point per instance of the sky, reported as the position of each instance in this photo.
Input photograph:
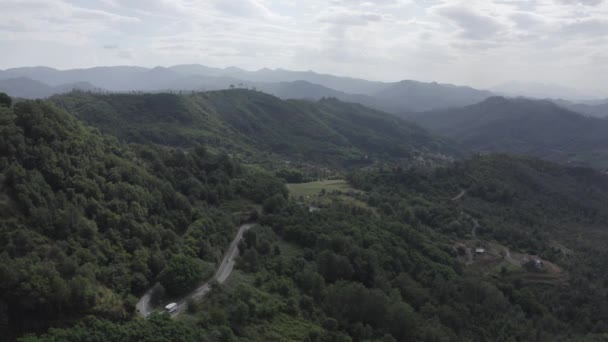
(480, 43)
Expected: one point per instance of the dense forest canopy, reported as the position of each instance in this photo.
(255, 125)
(390, 272)
(88, 223)
(538, 128)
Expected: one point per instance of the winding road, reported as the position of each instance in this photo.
(460, 195)
(475, 226)
(223, 272)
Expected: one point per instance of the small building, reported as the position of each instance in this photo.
(533, 262)
(480, 250)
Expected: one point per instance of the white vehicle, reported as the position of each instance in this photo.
(171, 307)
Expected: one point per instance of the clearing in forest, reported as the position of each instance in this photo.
(315, 188)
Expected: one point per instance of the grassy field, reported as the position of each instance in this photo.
(314, 188)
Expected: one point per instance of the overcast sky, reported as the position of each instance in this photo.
(475, 42)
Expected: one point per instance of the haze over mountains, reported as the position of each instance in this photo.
(523, 126)
(394, 97)
(543, 91)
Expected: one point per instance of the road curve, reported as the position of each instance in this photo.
(459, 196)
(475, 226)
(223, 272)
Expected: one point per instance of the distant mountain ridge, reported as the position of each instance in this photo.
(541, 91)
(401, 97)
(27, 88)
(397, 97)
(597, 109)
(522, 126)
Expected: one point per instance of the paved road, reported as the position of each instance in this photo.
(475, 226)
(223, 272)
(460, 195)
(143, 306)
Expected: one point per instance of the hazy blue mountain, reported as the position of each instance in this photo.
(416, 96)
(111, 78)
(597, 109)
(522, 126)
(541, 91)
(343, 84)
(27, 88)
(399, 97)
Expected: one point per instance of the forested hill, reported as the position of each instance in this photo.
(522, 126)
(86, 223)
(519, 206)
(327, 132)
(390, 268)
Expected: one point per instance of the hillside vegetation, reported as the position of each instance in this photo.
(86, 222)
(346, 273)
(521, 126)
(327, 132)
(528, 205)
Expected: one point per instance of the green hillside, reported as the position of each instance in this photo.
(86, 223)
(394, 272)
(249, 123)
(527, 206)
(521, 126)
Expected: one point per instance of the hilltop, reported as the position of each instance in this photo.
(522, 126)
(327, 132)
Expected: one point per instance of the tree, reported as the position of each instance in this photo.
(274, 204)
(182, 274)
(5, 100)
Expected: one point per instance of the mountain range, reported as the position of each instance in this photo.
(405, 96)
(27, 88)
(523, 126)
(543, 91)
(251, 123)
(395, 97)
(104, 195)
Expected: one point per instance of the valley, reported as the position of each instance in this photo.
(303, 171)
(358, 224)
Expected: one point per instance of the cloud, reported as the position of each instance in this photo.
(461, 41)
(589, 28)
(527, 20)
(344, 17)
(473, 25)
(125, 54)
(581, 2)
(245, 8)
